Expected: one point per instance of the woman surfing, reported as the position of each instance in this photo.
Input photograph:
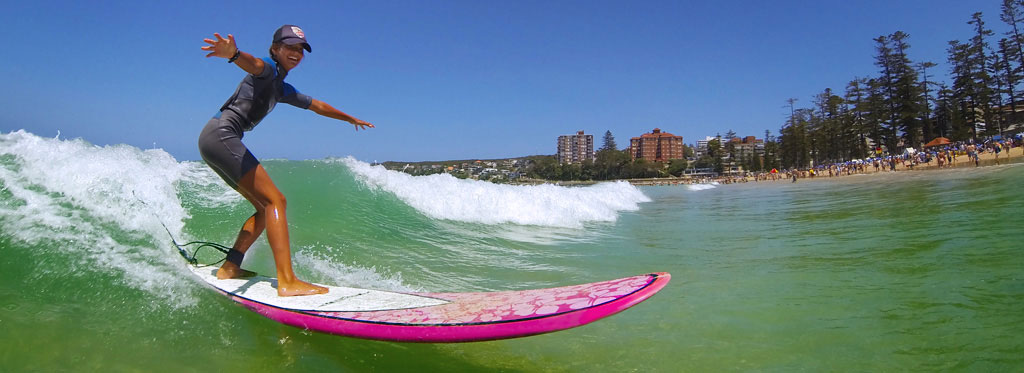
(220, 145)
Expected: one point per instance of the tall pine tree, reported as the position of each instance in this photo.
(979, 61)
(963, 94)
(888, 84)
(857, 123)
(908, 112)
(609, 141)
(927, 124)
(1013, 15)
(1009, 74)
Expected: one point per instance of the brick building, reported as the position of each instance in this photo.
(575, 148)
(656, 146)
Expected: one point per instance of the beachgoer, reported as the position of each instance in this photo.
(220, 144)
(998, 149)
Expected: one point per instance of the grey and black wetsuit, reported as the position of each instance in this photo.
(220, 143)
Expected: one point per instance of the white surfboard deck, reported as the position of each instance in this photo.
(263, 289)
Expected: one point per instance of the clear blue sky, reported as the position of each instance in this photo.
(452, 79)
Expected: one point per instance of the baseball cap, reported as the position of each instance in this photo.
(291, 35)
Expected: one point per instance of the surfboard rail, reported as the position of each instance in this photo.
(441, 317)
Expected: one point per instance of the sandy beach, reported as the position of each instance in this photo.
(988, 158)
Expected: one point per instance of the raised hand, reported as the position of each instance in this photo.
(221, 47)
(361, 124)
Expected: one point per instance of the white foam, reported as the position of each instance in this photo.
(696, 187)
(443, 196)
(209, 190)
(82, 201)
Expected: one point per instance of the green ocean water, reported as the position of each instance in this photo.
(918, 271)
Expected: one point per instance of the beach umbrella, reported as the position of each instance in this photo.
(938, 141)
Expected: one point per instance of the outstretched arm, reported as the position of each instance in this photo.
(329, 111)
(226, 48)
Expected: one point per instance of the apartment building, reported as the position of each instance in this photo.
(744, 147)
(748, 146)
(702, 146)
(575, 148)
(656, 146)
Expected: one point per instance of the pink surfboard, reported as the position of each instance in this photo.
(439, 317)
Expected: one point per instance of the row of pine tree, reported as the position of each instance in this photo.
(905, 106)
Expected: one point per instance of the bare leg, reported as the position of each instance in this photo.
(270, 205)
(251, 230)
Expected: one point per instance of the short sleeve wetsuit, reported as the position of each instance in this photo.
(220, 142)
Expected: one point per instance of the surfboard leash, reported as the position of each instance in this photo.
(191, 259)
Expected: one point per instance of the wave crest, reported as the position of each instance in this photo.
(443, 196)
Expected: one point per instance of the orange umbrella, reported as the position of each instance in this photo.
(938, 141)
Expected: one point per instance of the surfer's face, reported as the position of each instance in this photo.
(289, 56)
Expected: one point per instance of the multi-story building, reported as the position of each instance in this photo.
(575, 148)
(748, 146)
(743, 147)
(656, 146)
(702, 146)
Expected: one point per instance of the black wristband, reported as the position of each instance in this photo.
(235, 57)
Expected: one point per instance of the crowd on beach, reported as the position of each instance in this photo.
(956, 154)
(943, 156)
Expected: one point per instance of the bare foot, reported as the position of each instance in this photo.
(299, 287)
(232, 271)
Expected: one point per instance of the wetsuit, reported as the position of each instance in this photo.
(220, 142)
